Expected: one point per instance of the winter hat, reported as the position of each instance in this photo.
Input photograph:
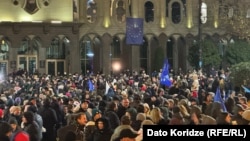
(18, 100)
(22, 136)
(95, 111)
(13, 121)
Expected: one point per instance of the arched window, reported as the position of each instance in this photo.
(91, 11)
(86, 54)
(120, 11)
(149, 12)
(56, 50)
(176, 13)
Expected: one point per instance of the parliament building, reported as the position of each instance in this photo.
(67, 36)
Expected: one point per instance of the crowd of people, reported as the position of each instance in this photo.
(98, 107)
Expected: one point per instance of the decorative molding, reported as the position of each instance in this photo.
(31, 6)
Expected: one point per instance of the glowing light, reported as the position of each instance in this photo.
(163, 22)
(116, 66)
(189, 24)
(106, 22)
(216, 24)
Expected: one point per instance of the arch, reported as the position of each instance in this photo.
(157, 54)
(25, 46)
(86, 55)
(98, 54)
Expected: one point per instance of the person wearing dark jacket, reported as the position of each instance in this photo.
(102, 131)
(5, 131)
(122, 108)
(30, 126)
(17, 133)
(90, 126)
(112, 115)
(38, 119)
(77, 128)
(49, 121)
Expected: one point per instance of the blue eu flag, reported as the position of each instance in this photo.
(91, 86)
(164, 80)
(218, 98)
(134, 31)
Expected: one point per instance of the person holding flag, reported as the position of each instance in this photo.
(165, 79)
(218, 98)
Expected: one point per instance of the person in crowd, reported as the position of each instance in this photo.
(177, 118)
(122, 108)
(125, 123)
(102, 131)
(112, 115)
(237, 115)
(77, 128)
(157, 117)
(84, 108)
(140, 117)
(224, 118)
(5, 131)
(91, 125)
(38, 119)
(132, 113)
(30, 126)
(49, 120)
(140, 131)
(127, 135)
(15, 112)
(17, 133)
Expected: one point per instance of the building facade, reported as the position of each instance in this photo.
(67, 36)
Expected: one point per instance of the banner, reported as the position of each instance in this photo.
(134, 31)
